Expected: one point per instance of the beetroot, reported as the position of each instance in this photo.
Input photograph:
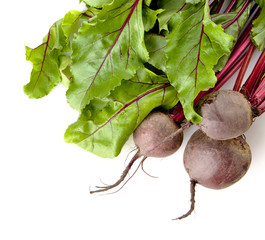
(157, 136)
(226, 114)
(214, 163)
(155, 128)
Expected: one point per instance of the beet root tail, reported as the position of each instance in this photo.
(122, 177)
(192, 200)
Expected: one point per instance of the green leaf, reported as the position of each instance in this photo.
(105, 124)
(194, 1)
(96, 3)
(107, 51)
(45, 73)
(70, 23)
(194, 46)
(147, 2)
(170, 8)
(47, 57)
(258, 30)
(156, 47)
(150, 17)
(73, 19)
(66, 75)
(233, 30)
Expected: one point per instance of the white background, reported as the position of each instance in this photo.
(44, 182)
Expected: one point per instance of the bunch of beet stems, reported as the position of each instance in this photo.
(254, 87)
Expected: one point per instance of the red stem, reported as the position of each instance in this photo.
(230, 73)
(244, 36)
(238, 14)
(230, 6)
(259, 95)
(262, 107)
(178, 114)
(244, 67)
(234, 56)
(218, 9)
(254, 77)
(216, 4)
(256, 85)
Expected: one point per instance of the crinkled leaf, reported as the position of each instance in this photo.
(170, 8)
(105, 124)
(73, 19)
(96, 3)
(45, 73)
(147, 2)
(107, 51)
(194, 46)
(258, 30)
(66, 75)
(156, 47)
(233, 30)
(70, 22)
(48, 57)
(194, 1)
(150, 17)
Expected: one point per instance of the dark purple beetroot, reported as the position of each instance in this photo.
(213, 163)
(156, 136)
(216, 164)
(150, 134)
(226, 114)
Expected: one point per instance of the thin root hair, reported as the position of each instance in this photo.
(135, 148)
(142, 166)
(122, 177)
(192, 201)
(128, 178)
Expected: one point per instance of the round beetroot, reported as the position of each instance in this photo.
(156, 136)
(151, 136)
(226, 114)
(216, 164)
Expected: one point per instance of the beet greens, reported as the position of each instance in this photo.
(97, 52)
(127, 62)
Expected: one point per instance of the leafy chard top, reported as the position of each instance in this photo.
(258, 30)
(106, 123)
(120, 59)
(107, 51)
(49, 58)
(194, 45)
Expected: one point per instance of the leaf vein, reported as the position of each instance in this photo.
(124, 108)
(111, 48)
